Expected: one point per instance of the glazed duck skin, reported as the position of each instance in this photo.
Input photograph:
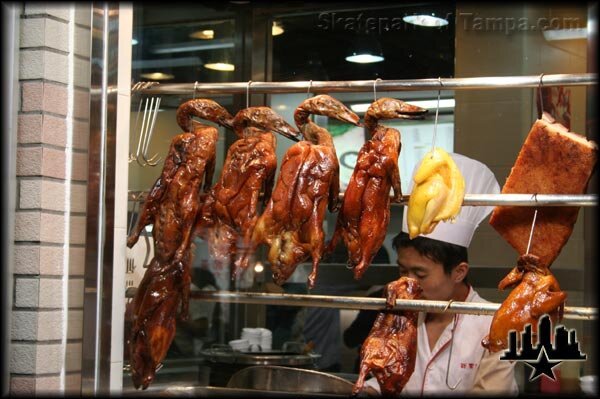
(308, 183)
(537, 292)
(365, 212)
(190, 160)
(171, 206)
(229, 213)
(390, 350)
(161, 292)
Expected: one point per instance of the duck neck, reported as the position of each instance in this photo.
(378, 132)
(371, 122)
(316, 134)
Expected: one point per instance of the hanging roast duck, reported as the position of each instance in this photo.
(292, 223)
(390, 349)
(536, 293)
(171, 207)
(230, 211)
(365, 212)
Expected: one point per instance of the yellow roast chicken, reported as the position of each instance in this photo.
(437, 194)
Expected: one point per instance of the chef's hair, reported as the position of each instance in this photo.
(449, 255)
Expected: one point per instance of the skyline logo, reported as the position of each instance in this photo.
(545, 355)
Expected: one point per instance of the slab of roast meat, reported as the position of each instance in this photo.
(551, 161)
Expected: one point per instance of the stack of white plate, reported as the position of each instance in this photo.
(589, 385)
(241, 345)
(266, 339)
(252, 335)
(260, 339)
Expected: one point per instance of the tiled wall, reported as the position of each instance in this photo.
(53, 136)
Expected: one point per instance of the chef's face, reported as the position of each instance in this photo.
(436, 284)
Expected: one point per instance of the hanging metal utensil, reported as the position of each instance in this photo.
(153, 161)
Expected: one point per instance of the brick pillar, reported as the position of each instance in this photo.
(53, 136)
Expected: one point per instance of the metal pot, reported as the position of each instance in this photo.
(287, 379)
(225, 362)
(224, 354)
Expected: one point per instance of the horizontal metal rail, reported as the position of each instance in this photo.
(358, 303)
(490, 82)
(485, 199)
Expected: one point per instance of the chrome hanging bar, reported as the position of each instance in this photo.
(486, 199)
(358, 303)
(491, 82)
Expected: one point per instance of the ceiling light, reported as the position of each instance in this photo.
(220, 66)
(427, 104)
(191, 46)
(157, 76)
(205, 34)
(425, 20)
(277, 29)
(365, 49)
(565, 34)
(364, 58)
(166, 63)
(258, 268)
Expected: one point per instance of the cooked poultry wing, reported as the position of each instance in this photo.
(536, 293)
(171, 206)
(390, 350)
(537, 171)
(292, 223)
(365, 212)
(229, 213)
(437, 194)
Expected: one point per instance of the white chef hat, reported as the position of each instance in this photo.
(479, 179)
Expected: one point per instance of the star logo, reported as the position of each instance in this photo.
(545, 355)
(542, 366)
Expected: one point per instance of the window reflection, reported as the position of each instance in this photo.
(317, 45)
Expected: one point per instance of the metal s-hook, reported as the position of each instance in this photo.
(541, 112)
(248, 94)
(531, 232)
(142, 139)
(437, 111)
(452, 388)
(448, 305)
(308, 90)
(133, 155)
(153, 161)
(148, 120)
(375, 89)
(195, 85)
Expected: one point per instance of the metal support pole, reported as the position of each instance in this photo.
(485, 199)
(353, 86)
(358, 303)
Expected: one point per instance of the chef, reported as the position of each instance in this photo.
(450, 358)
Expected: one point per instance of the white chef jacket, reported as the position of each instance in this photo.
(473, 367)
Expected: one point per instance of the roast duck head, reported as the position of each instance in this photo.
(262, 119)
(391, 108)
(321, 105)
(403, 288)
(202, 108)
